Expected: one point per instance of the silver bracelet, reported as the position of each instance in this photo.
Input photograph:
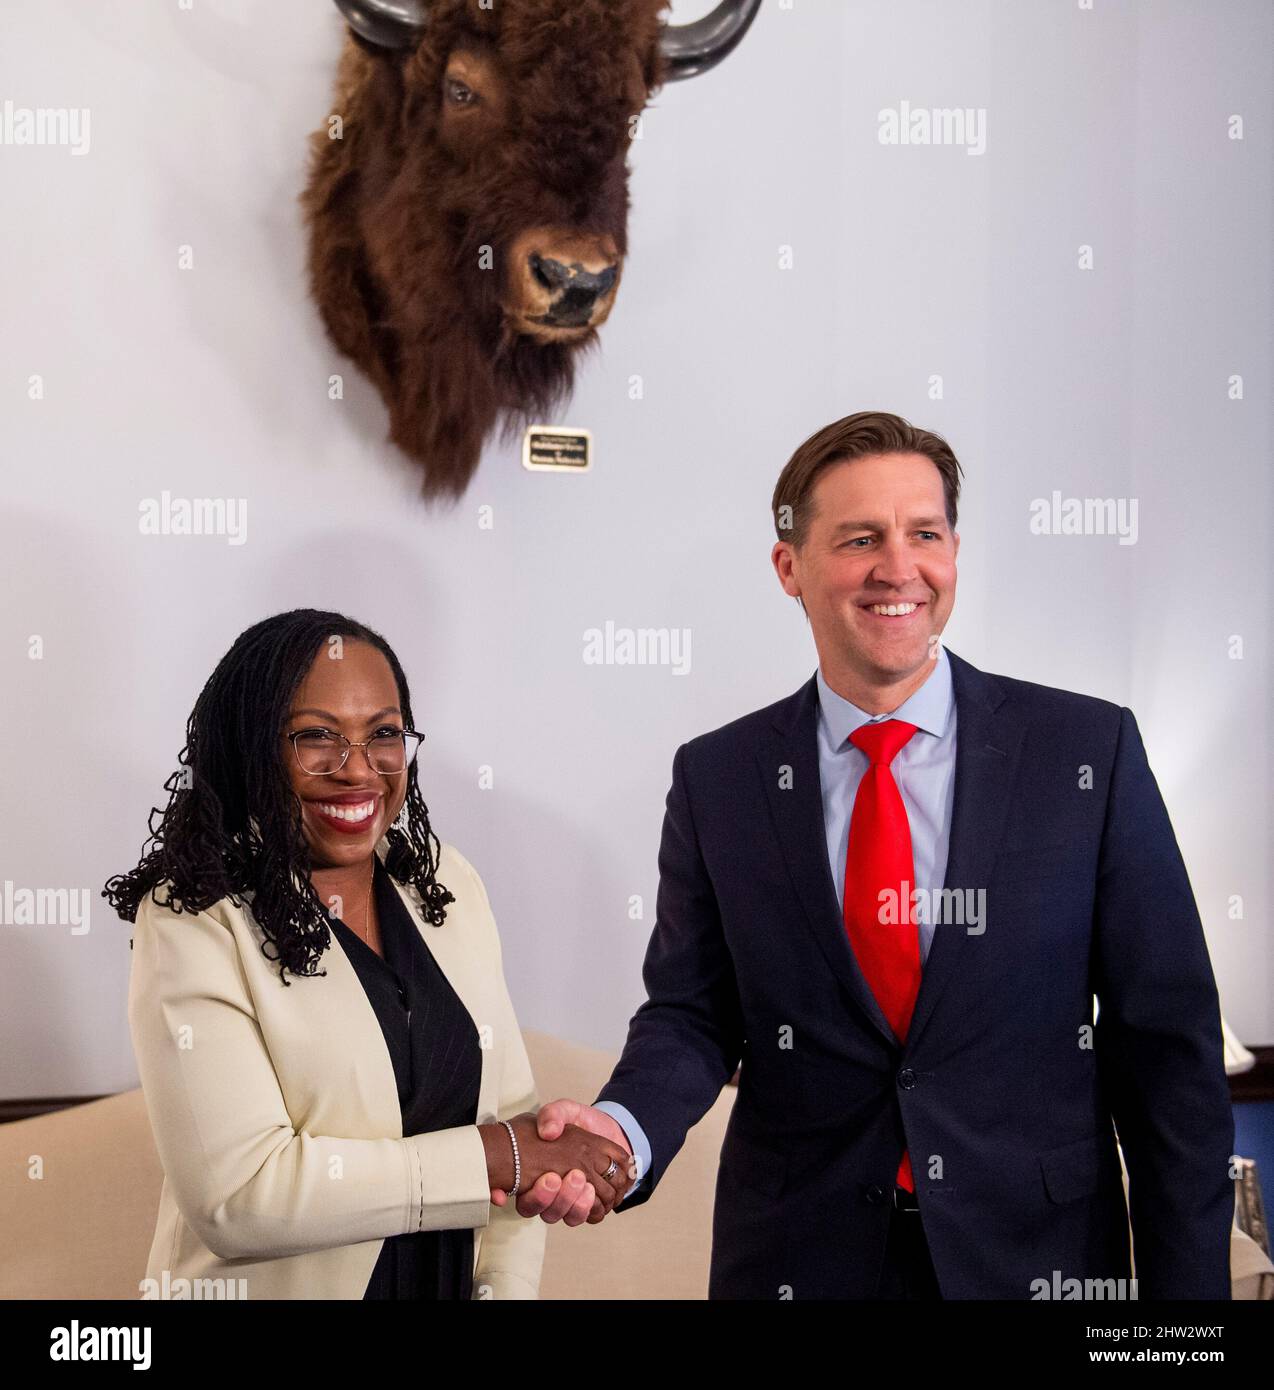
(517, 1160)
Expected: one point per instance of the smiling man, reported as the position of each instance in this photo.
(927, 1107)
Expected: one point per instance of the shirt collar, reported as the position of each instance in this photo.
(928, 708)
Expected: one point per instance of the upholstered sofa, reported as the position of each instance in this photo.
(82, 1229)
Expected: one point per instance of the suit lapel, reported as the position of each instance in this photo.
(987, 749)
(788, 763)
(988, 746)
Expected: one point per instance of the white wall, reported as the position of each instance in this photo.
(1106, 126)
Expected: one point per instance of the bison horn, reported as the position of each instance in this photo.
(690, 49)
(386, 23)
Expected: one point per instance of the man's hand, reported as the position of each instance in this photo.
(561, 1157)
(572, 1200)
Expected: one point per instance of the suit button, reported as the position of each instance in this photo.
(874, 1193)
(906, 1078)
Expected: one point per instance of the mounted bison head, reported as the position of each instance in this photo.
(467, 202)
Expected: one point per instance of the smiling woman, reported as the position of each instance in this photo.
(352, 1132)
(242, 818)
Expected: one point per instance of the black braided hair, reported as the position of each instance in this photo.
(205, 846)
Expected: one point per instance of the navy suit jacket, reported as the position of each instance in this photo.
(1006, 1094)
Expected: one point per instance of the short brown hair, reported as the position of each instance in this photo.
(867, 432)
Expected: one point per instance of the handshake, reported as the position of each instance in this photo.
(576, 1163)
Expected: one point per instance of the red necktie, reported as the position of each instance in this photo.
(879, 859)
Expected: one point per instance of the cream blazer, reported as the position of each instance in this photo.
(275, 1108)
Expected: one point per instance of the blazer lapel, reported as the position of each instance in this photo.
(453, 954)
(344, 1041)
(352, 1044)
(987, 749)
(795, 799)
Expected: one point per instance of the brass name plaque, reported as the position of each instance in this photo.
(551, 449)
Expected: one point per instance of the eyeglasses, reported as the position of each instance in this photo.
(320, 752)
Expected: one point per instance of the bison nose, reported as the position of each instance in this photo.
(574, 290)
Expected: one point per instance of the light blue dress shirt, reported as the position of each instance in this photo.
(924, 771)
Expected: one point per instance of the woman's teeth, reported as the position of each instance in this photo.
(349, 813)
(894, 610)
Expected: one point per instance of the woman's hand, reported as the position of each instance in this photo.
(575, 1153)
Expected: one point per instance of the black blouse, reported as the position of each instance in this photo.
(433, 1044)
